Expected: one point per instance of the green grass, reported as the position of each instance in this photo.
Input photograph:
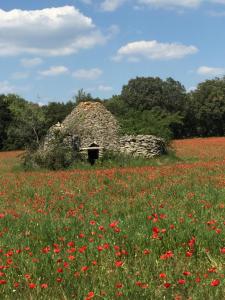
(53, 224)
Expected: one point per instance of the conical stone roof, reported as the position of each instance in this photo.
(93, 123)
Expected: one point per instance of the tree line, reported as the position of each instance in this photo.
(146, 105)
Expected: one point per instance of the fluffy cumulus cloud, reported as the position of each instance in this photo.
(54, 71)
(49, 32)
(153, 50)
(210, 71)
(88, 74)
(111, 5)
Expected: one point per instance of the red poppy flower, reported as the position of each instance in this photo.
(90, 296)
(181, 281)
(59, 270)
(100, 248)
(222, 250)
(186, 273)
(167, 255)
(162, 275)
(215, 282)
(84, 268)
(16, 284)
(32, 285)
(189, 253)
(70, 244)
(113, 224)
(118, 263)
(146, 251)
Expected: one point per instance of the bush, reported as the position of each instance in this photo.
(154, 122)
(59, 155)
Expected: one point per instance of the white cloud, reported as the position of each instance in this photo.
(191, 88)
(171, 3)
(6, 87)
(47, 32)
(41, 104)
(153, 50)
(54, 71)
(31, 62)
(104, 88)
(20, 75)
(210, 71)
(111, 5)
(88, 74)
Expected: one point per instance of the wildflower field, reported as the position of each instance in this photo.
(153, 232)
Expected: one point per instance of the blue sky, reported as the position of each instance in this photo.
(51, 49)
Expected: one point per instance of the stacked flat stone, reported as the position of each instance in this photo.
(146, 146)
(93, 123)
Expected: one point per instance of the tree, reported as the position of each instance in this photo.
(154, 122)
(56, 112)
(27, 124)
(82, 96)
(208, 107)
(117, 106)
(144, 93)
(5, 118)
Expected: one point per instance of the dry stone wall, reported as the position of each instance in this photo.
(142, 145)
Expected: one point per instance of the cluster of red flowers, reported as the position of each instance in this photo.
(111, 233)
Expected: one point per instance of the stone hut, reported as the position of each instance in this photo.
(96, 127)
(91, 129)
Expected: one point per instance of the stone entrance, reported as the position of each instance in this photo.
(93, 153)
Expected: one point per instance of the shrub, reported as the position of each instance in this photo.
(60, 154)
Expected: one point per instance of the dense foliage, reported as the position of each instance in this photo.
(24, 124)
(145, 106)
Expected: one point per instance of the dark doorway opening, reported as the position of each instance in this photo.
(93, 154)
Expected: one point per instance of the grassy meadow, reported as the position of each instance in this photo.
(137, 232)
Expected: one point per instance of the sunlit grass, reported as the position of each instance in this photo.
(136, 232)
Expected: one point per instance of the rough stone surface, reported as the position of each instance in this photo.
(71, 140)
(142, 145)
(91, 123)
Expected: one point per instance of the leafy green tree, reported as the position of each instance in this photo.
(83, 96)
(5, 119)
(117, 106)
(144, 93)
(154, 122)
(56, 112)
(207, 104)
(27, 124)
